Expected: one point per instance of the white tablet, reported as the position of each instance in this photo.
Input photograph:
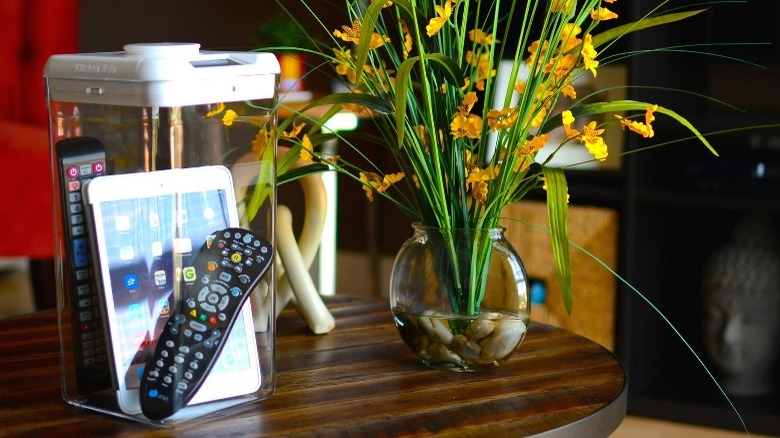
(148, 229)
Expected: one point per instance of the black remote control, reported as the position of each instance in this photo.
(227, 269)
(80, 159)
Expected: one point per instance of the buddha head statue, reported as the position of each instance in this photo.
(741, 304)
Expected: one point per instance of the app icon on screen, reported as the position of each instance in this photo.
(160, 278)
(126, 252)
(131, 282)
(122, 222)
(189, 273)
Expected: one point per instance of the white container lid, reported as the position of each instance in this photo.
(161, 74)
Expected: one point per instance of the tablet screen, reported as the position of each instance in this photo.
(147, 244)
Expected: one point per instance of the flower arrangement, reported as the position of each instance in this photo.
(425, 71)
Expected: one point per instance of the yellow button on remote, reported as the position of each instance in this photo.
(235, 257)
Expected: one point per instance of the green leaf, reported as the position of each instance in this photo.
(403, 79)
(558, 216)
(619, 106)
(286, 161)
(263, 188)
(300, 172)
(647, 22)
(374, 103)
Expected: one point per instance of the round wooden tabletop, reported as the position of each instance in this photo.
(358, 380)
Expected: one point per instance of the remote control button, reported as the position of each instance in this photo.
(98, 167)
(223, 302)
(203, 293)
(208, 307)
(198, 326)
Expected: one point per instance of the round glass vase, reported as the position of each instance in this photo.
(460, 297)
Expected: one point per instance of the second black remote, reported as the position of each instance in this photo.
(228, 268)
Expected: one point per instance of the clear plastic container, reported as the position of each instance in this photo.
(155, 107)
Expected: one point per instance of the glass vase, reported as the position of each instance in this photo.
(460, 297)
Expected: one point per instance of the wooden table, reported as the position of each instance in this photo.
(359, 380)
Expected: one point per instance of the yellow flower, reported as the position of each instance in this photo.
(480, 37)
(589, 55)
(569, 91)
(373, 182)
(260, 142)
(408, 41)
(502, 119)
(436, 23)
(519, 87)
(345, 64)
(469, 99)
(591, 137)
(533, 145)
(527, 149)
(294, 131)
(536, 52)
(352, 35)
(229, 117)
(482, 63)
(539, 117)
(306, 148)
(569, 37)
(644, 129)
(477, 181)
(567, 119)
(466, 125)
(220, 107)
(602, 14)
(560, 67)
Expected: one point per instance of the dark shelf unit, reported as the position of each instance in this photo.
(679, 203)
